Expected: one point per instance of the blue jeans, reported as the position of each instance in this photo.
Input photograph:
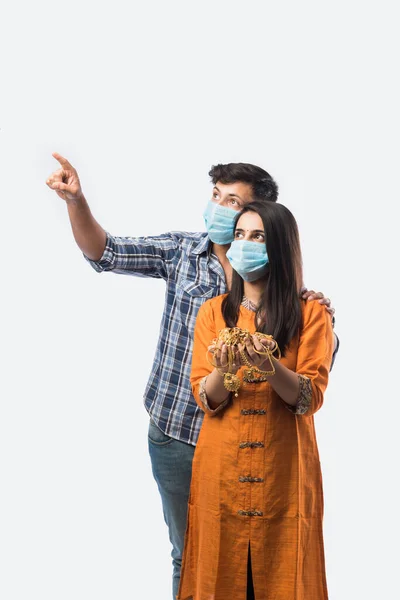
(171, 462)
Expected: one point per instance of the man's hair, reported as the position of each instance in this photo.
(264, 186)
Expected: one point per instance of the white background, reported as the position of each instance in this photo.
(143, 98)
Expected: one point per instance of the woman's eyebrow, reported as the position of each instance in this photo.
(251, 230)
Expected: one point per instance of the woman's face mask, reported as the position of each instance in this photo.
(219, 222)
(248, 259)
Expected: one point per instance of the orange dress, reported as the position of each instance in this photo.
(256, 476)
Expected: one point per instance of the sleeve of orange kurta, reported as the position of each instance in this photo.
(204, 334)
(314, 358)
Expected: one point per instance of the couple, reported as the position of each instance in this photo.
(276, 445)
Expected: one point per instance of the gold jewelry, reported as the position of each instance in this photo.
(265, 373)
(245, 359)
(253, 369)
(266, 348)
(232, 383)
(268, 351)
(249, 376)
(255, 374)
(231, 337)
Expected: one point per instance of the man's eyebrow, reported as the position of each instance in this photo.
(231, 195)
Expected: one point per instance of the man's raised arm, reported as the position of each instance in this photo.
(88, 234)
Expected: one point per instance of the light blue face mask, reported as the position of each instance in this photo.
(219, 222)
(249, 259)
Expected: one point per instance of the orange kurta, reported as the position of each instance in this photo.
(285, 533)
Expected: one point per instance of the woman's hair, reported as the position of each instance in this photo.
(263, 185)
(279, 313)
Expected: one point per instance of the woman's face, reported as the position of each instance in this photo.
(250, 227)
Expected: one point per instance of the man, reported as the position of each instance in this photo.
(195, 268)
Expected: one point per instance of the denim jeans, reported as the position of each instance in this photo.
(171, 462)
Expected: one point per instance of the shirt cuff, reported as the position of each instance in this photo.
(204, 401)
(107, 260)
(304, 398)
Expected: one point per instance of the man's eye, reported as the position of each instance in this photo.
(234, 202)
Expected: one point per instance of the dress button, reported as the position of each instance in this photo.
(250, 513)
(251, 445)
(249, 479)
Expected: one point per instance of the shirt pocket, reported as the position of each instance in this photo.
(197, 289)
(190, 296)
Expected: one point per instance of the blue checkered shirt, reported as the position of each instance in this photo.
(192, 275)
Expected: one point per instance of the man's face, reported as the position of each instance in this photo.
(232, 195)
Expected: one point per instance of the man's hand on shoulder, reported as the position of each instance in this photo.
(311, 295)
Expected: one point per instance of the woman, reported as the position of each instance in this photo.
(256, 505)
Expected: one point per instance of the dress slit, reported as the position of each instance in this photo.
(250, 588)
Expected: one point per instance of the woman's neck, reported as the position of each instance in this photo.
(253, 291)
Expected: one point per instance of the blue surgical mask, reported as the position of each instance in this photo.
(249, 259)
(220, 222)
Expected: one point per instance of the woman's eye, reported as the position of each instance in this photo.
(238, 234)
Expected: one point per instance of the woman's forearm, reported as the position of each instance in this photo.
(285, 383)
(215, 390)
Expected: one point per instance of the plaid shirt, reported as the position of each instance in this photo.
(192, 275)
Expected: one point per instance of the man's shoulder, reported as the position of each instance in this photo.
(194, 236)
(190, 241)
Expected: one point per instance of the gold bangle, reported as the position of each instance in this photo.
(260, 337)
(268, 351)
(230, 358)
(276, 348)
